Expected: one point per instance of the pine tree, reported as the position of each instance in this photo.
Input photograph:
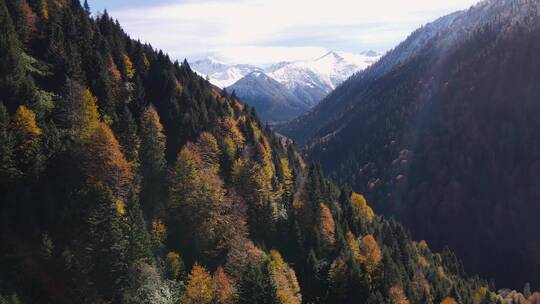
(139, 243)
(106, 245)
(255, 286)
(153, 163)
(126, 128)
(12, 75)
(87, 9)
(8, 166)
(174, 266)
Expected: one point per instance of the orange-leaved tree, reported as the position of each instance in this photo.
(199, 288)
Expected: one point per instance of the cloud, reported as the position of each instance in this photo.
(261, 31)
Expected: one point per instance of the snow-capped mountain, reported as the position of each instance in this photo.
(307, 81)
(222, 74)
(314, 79)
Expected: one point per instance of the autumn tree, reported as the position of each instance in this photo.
(199, 287)
(128, 64)
(370, 253)
(287, 178)
(225, 290)
(209, 151)
(90, 117)
(199, 202)
(397, 296)
(77, 109)
(27, 138)
(360, 208)
(284, 280)
(448, 300)
(252, 182)
(104, 164)
(326, 227)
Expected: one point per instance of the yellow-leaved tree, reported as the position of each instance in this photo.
(284, 280)
(90, 116)
(24, 123)
(130, 70)
(199, 287)
(27, 137)
(103, 163)
(288, 178)
(209, 151)
(360, 208)
(397, 296)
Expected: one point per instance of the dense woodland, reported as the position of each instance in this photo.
(126, 178)
(447, 140)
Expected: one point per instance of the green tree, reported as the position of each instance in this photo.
(126, 129)
(255, 285)
(153, 163)
(174, 266)
(12, 75)
(8, 165)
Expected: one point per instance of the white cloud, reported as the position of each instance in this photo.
(260, 31)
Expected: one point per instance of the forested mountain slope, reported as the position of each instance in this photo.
(442, 133)
(127, 178)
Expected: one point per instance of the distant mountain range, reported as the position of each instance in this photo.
(285, 90)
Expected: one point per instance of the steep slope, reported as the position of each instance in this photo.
(440, 132)
(272, 100)
(340, 101)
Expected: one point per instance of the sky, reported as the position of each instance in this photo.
(267, 31)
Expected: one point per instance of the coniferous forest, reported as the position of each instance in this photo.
(127, 178)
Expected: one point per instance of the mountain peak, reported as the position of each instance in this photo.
(209, 59)
(333, 54)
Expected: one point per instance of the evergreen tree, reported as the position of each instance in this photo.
(87, 9)
(153, 163)
(8, 166)
(255, 286)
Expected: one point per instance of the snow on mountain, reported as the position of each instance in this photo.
(325, 72)
(312, 80)
(330, 69)
(302, 83)
(222, 74)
